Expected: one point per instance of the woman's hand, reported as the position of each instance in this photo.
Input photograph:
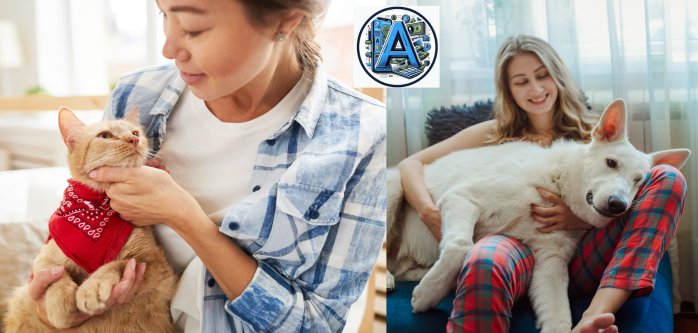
(146, 196)
(120, 294)
(557, 217)
(431, 216)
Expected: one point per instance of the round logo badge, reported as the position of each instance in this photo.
(397, 46)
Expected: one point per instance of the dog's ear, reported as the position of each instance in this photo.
(674, 157)
(611, 126)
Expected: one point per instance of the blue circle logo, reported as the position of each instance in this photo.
(397, 46)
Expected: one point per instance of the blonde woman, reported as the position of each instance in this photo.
(537, 100)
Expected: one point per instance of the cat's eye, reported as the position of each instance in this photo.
(105, 135)
(611, 163)
(136, 133)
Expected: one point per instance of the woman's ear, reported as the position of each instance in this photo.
(289, 21)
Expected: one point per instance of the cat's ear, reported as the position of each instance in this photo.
(134, 116)
(69, 125)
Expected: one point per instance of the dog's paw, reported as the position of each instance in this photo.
(424, 298)
(93, 294)
(389, 282)
(556, 327)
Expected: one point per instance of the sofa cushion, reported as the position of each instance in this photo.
(632, 317)
(20, 243)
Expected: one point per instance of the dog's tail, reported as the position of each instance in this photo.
(394, 212)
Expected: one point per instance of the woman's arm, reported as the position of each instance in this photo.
(412, 171)
(147, 196)
(321, 296)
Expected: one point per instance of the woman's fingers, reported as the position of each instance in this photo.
(550, 227)
(140, 274)
(120, 290)
(130, 282)
(549, 196)
(42, 280)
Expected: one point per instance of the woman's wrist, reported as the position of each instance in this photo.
(426, 210)
(188, 219)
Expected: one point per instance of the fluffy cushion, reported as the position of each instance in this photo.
(20, 243)
(444, 122)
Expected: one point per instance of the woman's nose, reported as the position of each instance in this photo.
(169, 50)
(536, 87)
(172, 50)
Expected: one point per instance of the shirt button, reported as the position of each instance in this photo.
(256, 188)
(211, 282)
(314, 214)
(233, 225)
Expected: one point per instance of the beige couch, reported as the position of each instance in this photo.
(27, 199)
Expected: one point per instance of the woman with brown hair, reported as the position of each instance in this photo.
(273, 209)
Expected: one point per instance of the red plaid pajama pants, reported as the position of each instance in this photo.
(624, 255)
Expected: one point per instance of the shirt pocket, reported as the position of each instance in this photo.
(312, 204)
(304, 216)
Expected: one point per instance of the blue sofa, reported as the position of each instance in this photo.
(652, 313)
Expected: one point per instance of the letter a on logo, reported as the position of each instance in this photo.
(397, 45)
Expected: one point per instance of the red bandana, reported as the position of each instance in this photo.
(86, 228)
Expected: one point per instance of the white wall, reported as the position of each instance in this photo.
(21, 12)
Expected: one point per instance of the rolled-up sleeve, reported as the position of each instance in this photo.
(317, 296)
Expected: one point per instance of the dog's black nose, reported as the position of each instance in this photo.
(590, 198)
(616, 205)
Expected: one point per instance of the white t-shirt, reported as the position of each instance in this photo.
(213, 161)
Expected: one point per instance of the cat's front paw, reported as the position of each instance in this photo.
(93, 294)
(424, 298)
(60, 304)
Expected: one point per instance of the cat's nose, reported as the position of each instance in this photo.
(133, 140)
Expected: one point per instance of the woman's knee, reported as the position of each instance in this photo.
(665, 177)
(501, 262)
(503, 255)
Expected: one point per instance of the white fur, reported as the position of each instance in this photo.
(490, 190)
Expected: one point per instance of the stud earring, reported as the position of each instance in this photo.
(280, 36)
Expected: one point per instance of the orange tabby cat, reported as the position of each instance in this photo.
(88, 279)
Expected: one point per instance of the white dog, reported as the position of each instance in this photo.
(598, 181)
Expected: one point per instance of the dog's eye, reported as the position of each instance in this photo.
(637, 179)
(105, 135)
(611, 163)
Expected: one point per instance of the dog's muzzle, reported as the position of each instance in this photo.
(614, 207)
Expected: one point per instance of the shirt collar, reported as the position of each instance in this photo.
(311, 108)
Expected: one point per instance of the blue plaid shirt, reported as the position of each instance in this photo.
(314, 218)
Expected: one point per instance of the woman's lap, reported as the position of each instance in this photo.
(624, 254)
